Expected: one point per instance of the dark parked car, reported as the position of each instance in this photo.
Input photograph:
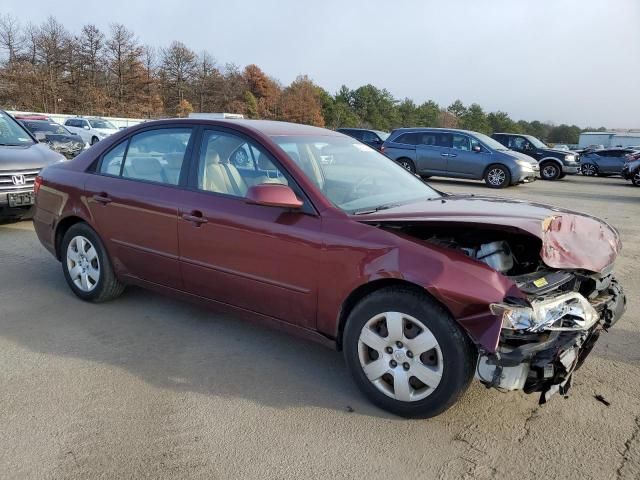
(605, 162)
(554, 163)
(631, 171)
(459, 154)
(21, 158)
(417, 288)
(373, 138)
(56, 136)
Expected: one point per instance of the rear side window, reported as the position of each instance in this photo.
(157, 155)
(408, 139)
(152, 156)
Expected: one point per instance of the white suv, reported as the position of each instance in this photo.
(91, 130)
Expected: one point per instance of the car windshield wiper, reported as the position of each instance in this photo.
(364, 211)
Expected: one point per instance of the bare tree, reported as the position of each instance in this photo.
(11, 40)
(177, 72)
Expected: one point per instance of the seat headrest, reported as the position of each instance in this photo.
(174, 160)
(264, 163)
(146, 166)
(213, 158)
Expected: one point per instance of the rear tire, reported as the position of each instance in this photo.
(94, 140)
(550, 171)
(497, 176)
(407, 354)
(636, 179)
(86, 265)
(407, 164)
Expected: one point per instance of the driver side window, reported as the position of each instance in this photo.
(230, 165)
(519, 143)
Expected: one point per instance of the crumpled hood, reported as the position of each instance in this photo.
(569, 239)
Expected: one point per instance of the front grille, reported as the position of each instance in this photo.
(7, 180)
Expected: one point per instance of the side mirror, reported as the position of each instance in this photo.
(273, 195)
(476, 148)
(40, 136)
(86, 127)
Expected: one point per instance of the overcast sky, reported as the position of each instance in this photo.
(573, 61)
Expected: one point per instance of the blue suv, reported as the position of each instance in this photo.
(459, 154)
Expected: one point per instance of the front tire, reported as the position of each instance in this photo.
(589, 170)
(636, 179)
(497, 176)
(550, 171)
(94, 140)
(407, 354)
(86, 265)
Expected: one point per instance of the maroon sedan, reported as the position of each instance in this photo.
(310, 231)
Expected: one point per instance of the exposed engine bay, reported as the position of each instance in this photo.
(549, 331)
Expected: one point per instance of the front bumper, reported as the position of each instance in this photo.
(571, 168)
(544, 362)
(527, 175)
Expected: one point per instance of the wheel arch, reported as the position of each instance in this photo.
(367, 289)
(62, 227)
(551, 159)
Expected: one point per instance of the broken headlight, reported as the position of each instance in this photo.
(570, 311)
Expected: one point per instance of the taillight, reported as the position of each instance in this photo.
(381, 148)
(37, 184)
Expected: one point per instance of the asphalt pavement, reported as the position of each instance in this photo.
(151, 387)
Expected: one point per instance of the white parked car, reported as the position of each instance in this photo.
(91, 130)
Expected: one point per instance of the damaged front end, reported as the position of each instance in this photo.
(547, 336)
(560, 266)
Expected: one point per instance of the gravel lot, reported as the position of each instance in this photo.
(148, 386)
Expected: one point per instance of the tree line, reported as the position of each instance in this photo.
(49, 69)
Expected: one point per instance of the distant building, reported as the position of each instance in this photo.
(610, 139)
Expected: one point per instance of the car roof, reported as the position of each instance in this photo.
(428, 129)
(266, 127)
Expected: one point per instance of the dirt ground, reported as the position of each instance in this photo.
(147, 386)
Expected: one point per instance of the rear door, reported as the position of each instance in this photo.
(250, 256)
(132, 198)
(432, 152)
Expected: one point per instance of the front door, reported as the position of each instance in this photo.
(250, 256)
(131, 198)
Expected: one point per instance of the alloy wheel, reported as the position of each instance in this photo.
(636, 179)
(589, 170)
(406, 165)
(496, 176)
(83, 263)
(400, 356)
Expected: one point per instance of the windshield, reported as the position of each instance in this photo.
(489, 142)
(353, 176)
(383, 135)
(536, 143)
(102, 124)
(46, 127)
(12, 134)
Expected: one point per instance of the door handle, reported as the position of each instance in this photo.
(453, 155)
(195, 217)
(445, 155)
(102, 198)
